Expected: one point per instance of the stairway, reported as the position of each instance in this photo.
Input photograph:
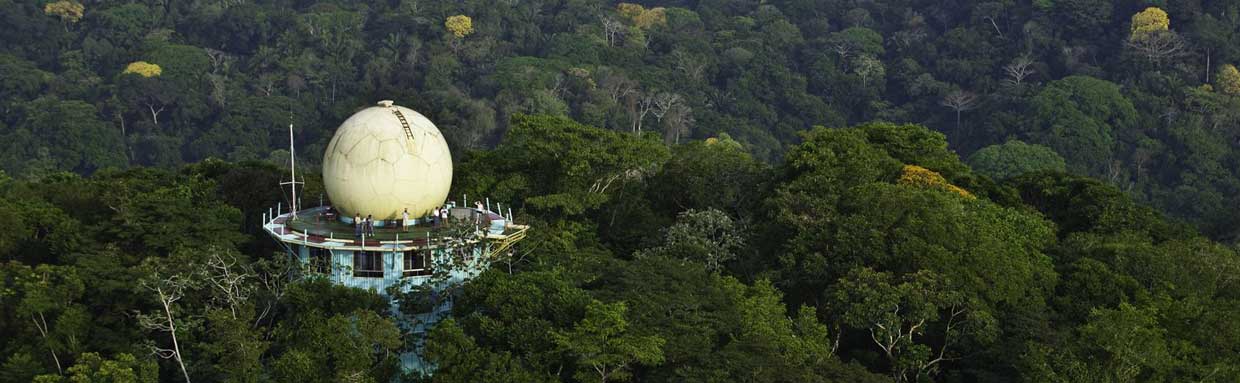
(502, 245)
(403, 123)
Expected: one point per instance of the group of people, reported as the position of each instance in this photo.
(366, 226)
(363, 226)
(439, 215)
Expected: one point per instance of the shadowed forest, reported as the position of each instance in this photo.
(757, 191)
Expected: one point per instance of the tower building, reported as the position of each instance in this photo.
(387, 162)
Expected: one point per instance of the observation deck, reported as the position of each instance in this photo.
(317, 227)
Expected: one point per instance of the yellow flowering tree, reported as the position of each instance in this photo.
(1152, 37)
(641, 17)
(1228, 80)
(459, 25)
(1151, 20)
(143, 68)
(914, 175)
(68, 11)
(630, 10)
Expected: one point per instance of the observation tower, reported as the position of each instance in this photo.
(382, 162)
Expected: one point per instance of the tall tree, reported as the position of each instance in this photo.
(605, 347)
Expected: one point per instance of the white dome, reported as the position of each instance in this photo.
(379, 165)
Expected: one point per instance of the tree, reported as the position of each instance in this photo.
(151, 94)
(1019, 69)
(916, 176)
(1228, 80)
(679, 122)
(691, 65)
(1130, 341)
(836, 199)
(714, 174)
(612, 30)
(167, 291)
(604, 346)
(1159, 46)
(1151, 37)
(896, 311)
(1014, 158)
(641, 17)
(143, 68)
(1151, 20)
(959, 101)
(124, 368)
(459, 359)
(460, 26)
(48, 303)
(855, 41)
(1080, 117)
(561, 166)
(868, 68)
(72, 134)
(349, 347)
(664, 102)
(708, 236)
(68, 11)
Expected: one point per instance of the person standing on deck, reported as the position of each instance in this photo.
(435, 217)
(443, 215)
(370, 225)
(405, 222)
(357, 225)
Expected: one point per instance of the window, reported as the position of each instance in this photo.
(320, 260)
(417, 263)
(368, 264)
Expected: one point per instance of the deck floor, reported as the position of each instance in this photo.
(312, 222)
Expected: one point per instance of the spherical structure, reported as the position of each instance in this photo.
(385, 159)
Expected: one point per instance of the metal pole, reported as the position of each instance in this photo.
(292, 167)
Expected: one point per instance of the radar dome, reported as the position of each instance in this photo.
(385, 159)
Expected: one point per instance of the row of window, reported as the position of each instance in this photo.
(369, 264)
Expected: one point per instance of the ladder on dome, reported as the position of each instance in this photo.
(501, 245)
(403, 123)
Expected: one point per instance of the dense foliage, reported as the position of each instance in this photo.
(871, 254)
(710, 197)
(1143, 97)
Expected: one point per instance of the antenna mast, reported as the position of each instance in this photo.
(292, 168)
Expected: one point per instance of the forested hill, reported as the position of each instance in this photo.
(778, 191)
(1143, 98)
(871, 254)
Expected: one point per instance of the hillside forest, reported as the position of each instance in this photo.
(757, 191)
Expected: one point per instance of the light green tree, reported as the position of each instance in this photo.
(707, 236)
(93, 368)
(1080, 117)
(1014, 158)
(605, 347)
(896, 311)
